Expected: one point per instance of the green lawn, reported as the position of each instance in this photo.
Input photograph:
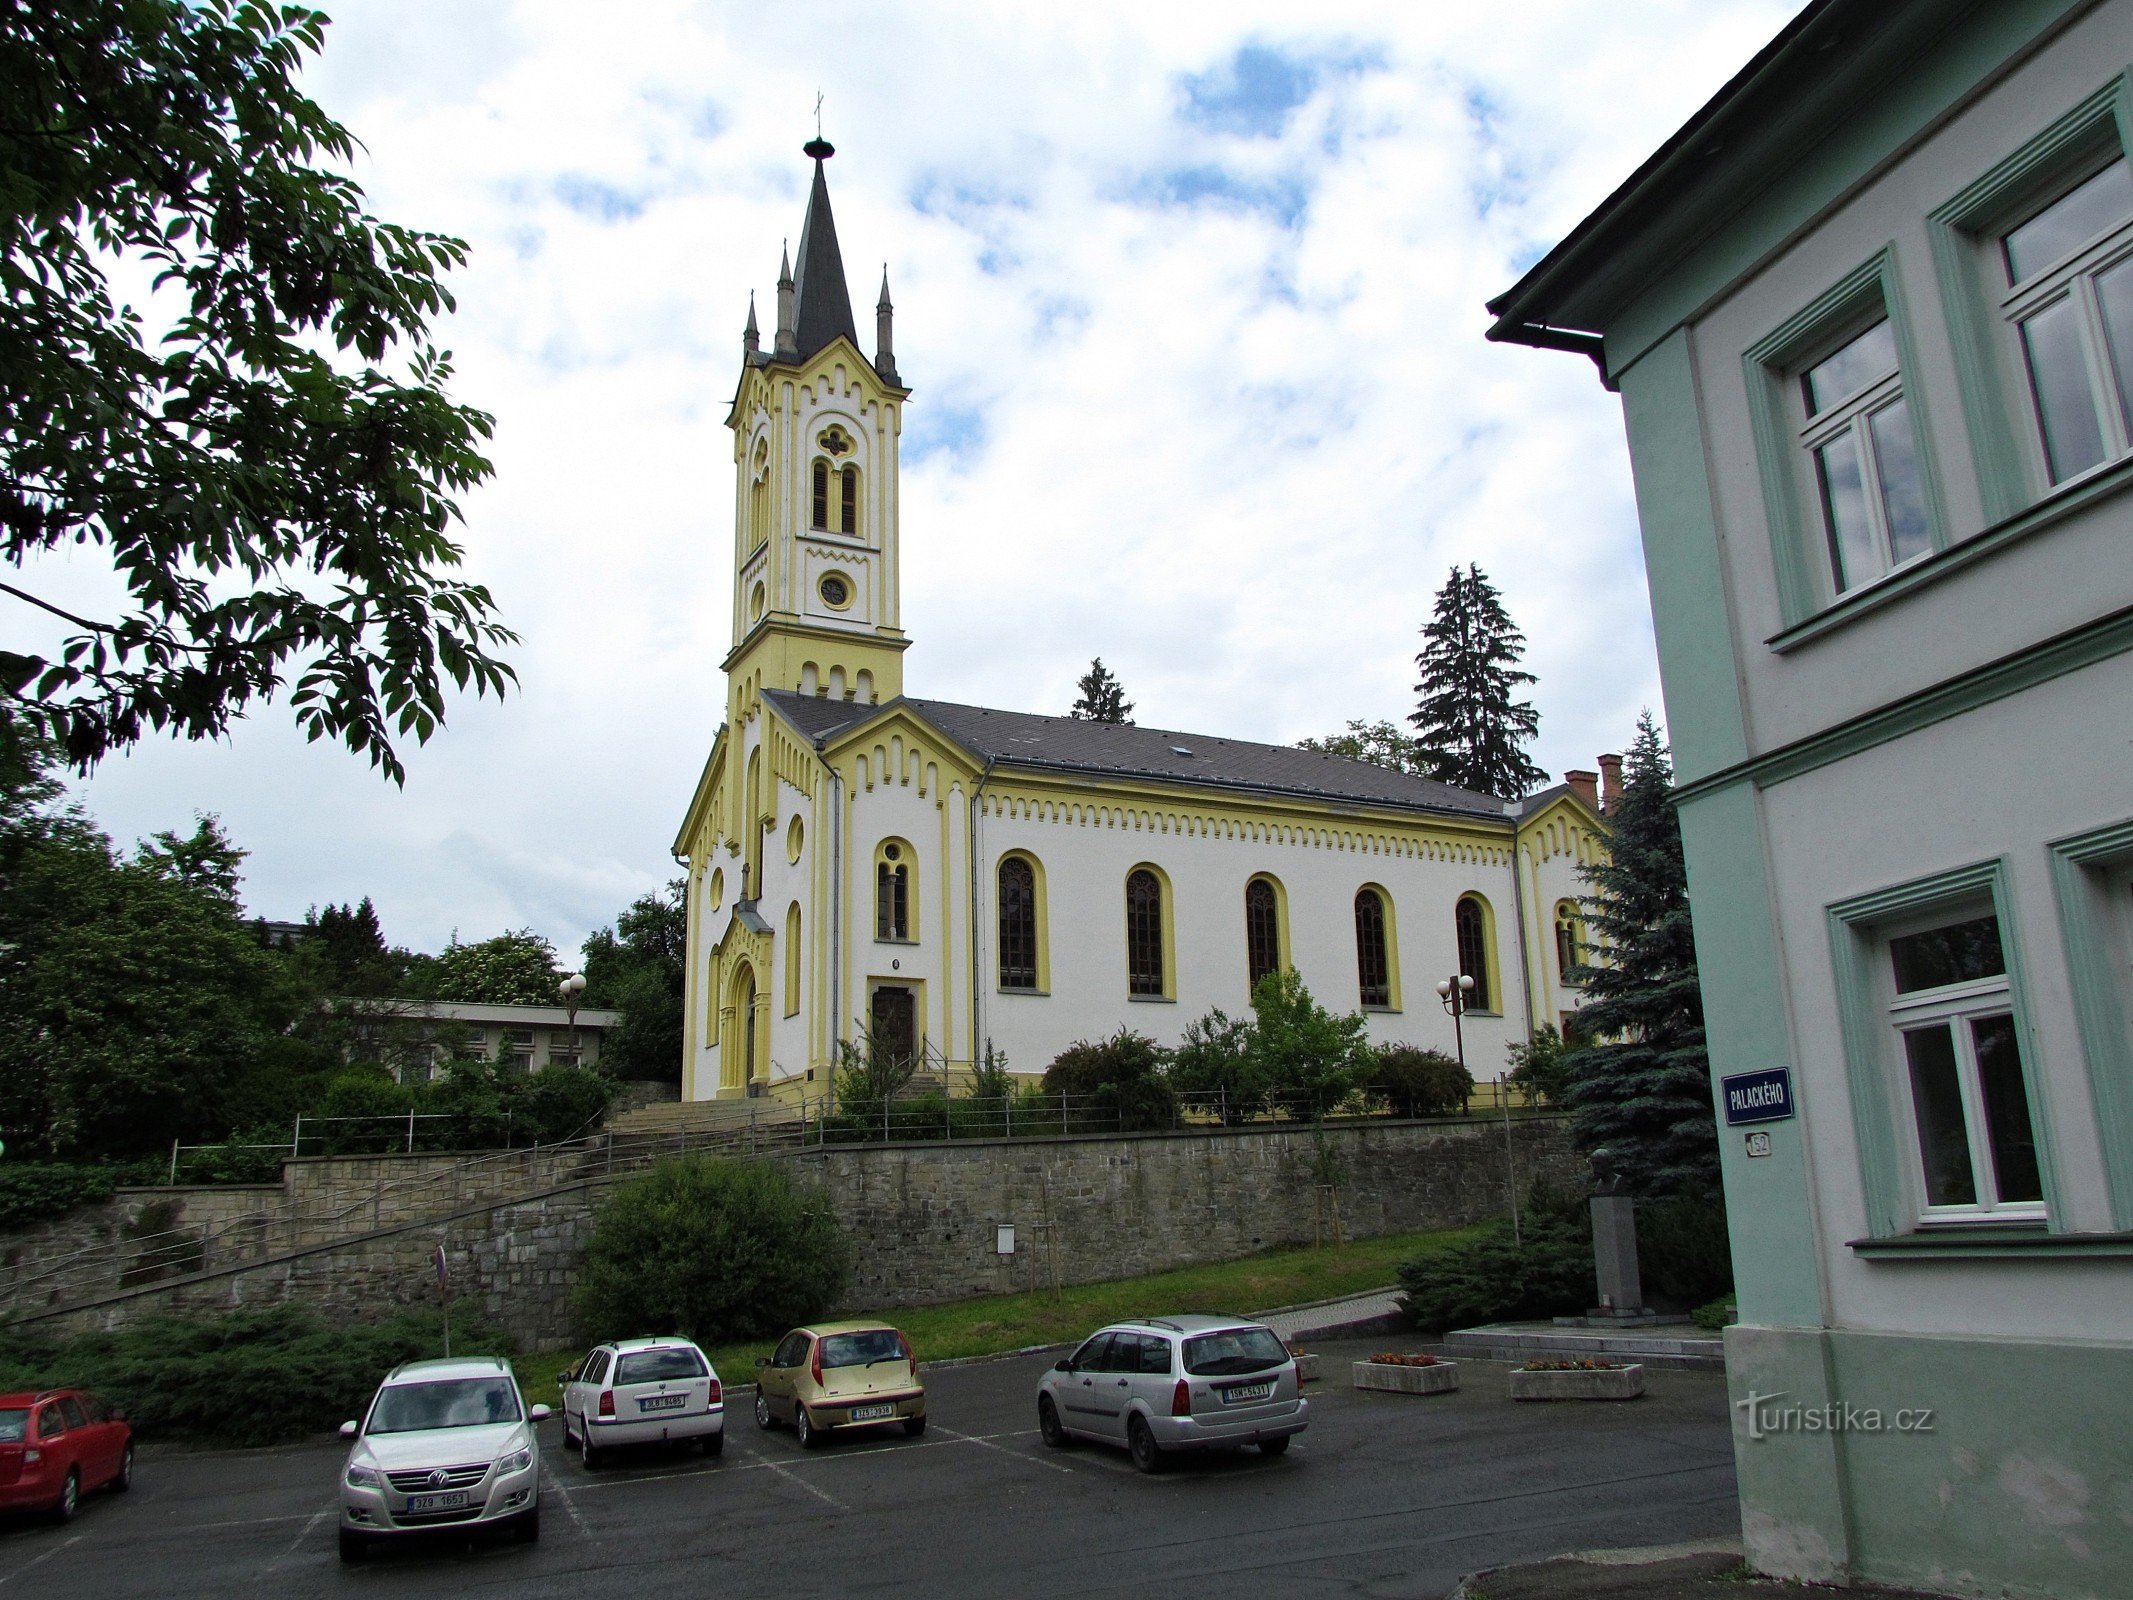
(996, 1323)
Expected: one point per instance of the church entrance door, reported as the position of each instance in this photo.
(893, 1022)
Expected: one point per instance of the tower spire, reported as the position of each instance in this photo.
(884, 341)
(823, 305)
(751, 339)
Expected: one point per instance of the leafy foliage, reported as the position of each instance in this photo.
(32, 1191)
(1544, 1271)
(1381, 743)
(511, 969)
(1120, 1080)
(1302, 1052)
(273, 498)
(251, 1378)
(1215, 1064)
(1540, 1065)
(480, 1105)
(638, 969)
(1419, 1083)
(1473, 732)
(1103, 698)
(717, 1250)
(1642, 1090)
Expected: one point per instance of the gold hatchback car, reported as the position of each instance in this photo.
(840, 1375)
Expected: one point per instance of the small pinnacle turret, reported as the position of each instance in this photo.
(787, 344)
(884, 341)
(751, 339)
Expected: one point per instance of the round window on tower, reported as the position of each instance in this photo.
(755, 604)
(836, 591)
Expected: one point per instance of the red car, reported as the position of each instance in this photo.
(58, 1444)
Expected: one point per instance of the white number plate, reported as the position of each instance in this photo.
(436, 1502)
(1246, 1391)
(872, 1413)
(662, 1402)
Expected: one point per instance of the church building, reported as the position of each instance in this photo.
(948, 877)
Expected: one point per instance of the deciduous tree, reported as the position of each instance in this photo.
(1381, 743)
(637, 968)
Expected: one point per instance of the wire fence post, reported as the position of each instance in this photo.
(410, 1130)
(173, 1161)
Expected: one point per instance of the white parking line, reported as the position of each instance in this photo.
(570, 1506)
(302, 1534)
(57, 1549)
(791, 1476)
(971, 1438)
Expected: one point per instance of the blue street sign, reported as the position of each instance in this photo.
(1764, 1096)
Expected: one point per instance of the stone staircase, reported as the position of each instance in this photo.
(706, 1117)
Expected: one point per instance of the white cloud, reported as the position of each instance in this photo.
(1200, 382)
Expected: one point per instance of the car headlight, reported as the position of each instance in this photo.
(360, 1477)
(516, 1461)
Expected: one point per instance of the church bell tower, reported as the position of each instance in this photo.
(815, 427)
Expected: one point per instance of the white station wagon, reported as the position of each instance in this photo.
(642, 1391)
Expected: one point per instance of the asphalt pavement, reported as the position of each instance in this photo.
(1385, 1495)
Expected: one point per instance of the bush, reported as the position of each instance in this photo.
(718, 1250)
(1301, 1052)
(1683, 1252)
(1717, 1315)
(1119, 1080)
(1546, 1272)
(559, 1102)
(252, 1378)
(1540, 1065)
(1419, 1083)
(363, 1092)
(1215, 1063)
(34, 1191)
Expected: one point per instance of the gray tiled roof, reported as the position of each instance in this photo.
(1063, 744)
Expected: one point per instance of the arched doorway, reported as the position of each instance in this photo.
(736, 1056)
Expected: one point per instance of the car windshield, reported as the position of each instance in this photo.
(859, 1349)
(659, 1366)
(455, 1403)
(13, 1426)
(1233, 1350)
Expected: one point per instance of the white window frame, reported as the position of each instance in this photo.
(1854, 415)
(2071, 277)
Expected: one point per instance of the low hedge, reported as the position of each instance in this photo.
(251, 1378)
(1545, 1270)
(38, 1191)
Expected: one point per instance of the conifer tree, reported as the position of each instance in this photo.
(1472, 732)
(1103, 697)
(1643, 1091)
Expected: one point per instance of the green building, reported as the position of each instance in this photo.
(1870, 313)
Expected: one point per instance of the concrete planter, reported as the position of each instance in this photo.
(1442, 1378)
(1307, 1369)
(1607, 1383)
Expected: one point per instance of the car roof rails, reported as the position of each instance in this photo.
(1161, 1322)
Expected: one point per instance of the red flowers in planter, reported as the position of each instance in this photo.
(1572, 1366)
(1391, 1360)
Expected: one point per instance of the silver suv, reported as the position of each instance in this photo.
(1175, 1383)
(444, 1444)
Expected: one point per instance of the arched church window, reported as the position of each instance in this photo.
(1373, 964)
(1262, 931)
(1470, 923)
(821, 518)
(791, 955)
(848, 495)
(892, 893)
(1569, 940)
(1145, 967)
(1018, 924)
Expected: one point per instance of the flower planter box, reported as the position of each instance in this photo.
(1602, 1383)
(1307, 1369)
(1441, 1378)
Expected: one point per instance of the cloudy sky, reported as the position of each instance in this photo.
(1190, 299)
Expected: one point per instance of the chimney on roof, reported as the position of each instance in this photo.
(1610, 784)
(1585, 785)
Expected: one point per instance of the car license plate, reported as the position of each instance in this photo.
(872, 1413)
(1240, 1392)
(436, 1502)
(662, 1402)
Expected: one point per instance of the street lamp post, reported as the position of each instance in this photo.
(571, 988)
(1453, 992)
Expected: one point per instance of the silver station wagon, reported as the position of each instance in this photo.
(1169, 1384)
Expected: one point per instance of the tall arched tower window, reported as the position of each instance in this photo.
(1470, 921)
(1018, 924)
(1569, 940)
(753, 889)
(820, 518)
(1145, 966)
(1262, 931)
(792, 959)
(892, 891)
(759, 498)
(848, 500)
(1373, 960)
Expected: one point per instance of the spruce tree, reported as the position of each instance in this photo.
(1472, 732)
(1642, 1091)
(1103, 698)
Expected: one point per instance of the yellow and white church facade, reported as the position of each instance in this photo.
(948, 877)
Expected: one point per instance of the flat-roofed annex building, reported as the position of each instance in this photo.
(944, 875)
(1871, 316)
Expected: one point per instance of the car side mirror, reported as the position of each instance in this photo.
(348, 1430)
(540, 1413)
(567, 1375)
(1064, 1366)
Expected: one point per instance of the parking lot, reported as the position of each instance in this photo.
(1384, 1495)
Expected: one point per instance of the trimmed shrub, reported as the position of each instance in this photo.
(252, 1378)
(1716, 1316)
(718, 1250)
(1545, 1272)
(1115, 1083)
(1683, 1252)
(1419, 1083)
(34, 1191)
(1301, 1053)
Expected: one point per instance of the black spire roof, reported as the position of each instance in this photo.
(822, 305)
